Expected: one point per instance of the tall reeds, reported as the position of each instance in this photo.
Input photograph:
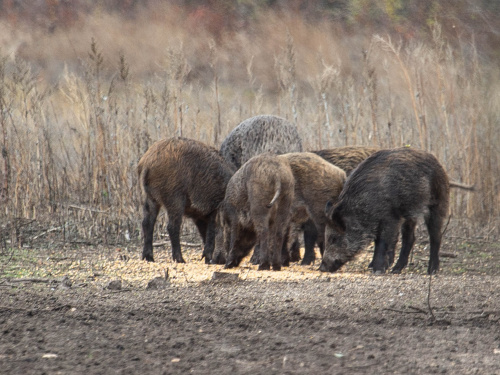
(69, 148)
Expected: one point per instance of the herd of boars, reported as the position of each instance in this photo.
(261, 190)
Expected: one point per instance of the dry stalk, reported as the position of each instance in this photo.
(388, 46)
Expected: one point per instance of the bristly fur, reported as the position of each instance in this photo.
(259, 134)
(248, 218)
(189, 179)
(385, 194)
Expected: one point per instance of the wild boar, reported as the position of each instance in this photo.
(346, 158)
(253, 136)
(385, 193)
(188, 178)
(259, 134)
(256, 208)
(316, 182)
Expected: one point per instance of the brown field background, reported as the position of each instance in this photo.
(85, 89)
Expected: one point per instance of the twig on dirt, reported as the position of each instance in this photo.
(480, 316)
(185, 277)
(7, 308)
(87, 243)
(448, 255)
(187, 244)
(446, 226)
(246, 275)
(33, 280)
(417, 309)
(406, 311)
(46, 232)
(429, 299)
(87, 209)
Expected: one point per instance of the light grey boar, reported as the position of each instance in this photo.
(257, 208)
(259, 134)
(189, 179)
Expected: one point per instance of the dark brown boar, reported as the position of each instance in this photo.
(264, 133)
(316, 182)
(256, 208)
(385, 193)
(346, 158)
(189, 179)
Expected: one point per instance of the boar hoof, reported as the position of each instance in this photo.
(276, 267)
(179, 260)
(307, 262)
(396, 271)
(148, 258)
(264, 267)
(378, 272)
(217, 260)
(231, 263)
(254, 259)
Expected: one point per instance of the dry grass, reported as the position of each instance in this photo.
(78, 107)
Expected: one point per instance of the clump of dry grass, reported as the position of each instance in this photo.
(76, 113)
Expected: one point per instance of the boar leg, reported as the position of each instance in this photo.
(222, 245)
(150, 210)
(209, 239)
(174, 231)
(285, 255)
(295, 251)
(277, 249)
(310, 237)
(408, 240)
(231, 261)
(384, 244)
(255, 259)
(202, 225)
(207, 232)
(265, 263)
(434, 224)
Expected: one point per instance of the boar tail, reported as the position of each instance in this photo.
(459, 185)
(143, 173)
(276, 195)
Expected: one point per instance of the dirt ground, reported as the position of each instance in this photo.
(59, 314)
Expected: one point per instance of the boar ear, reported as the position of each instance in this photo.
(329, 208)
(338, 221)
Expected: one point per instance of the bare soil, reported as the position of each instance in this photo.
(297, 321)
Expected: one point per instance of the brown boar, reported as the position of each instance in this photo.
(264, 133)
(316, 182)
(346, 158)
(385, 193)
(256, 208)
(188, 178)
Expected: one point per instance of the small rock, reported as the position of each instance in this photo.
(114, 285)
(65, 283)
(157, 283)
